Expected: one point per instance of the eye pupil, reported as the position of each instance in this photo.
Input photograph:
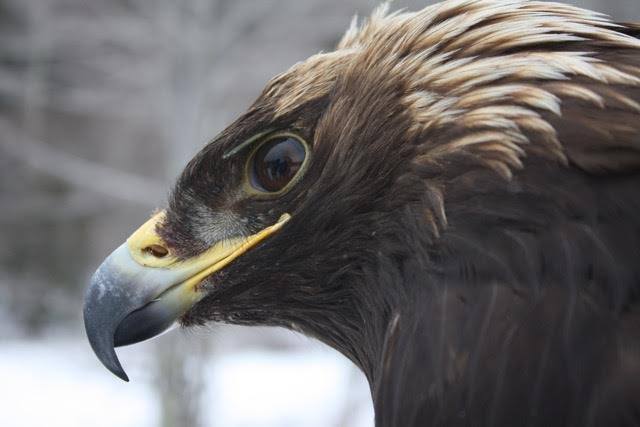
(276, 163)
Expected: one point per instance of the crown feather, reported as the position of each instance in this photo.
(497, 80)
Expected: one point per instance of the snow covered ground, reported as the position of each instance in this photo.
(58, 382)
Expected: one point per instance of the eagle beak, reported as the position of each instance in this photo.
(142, 288)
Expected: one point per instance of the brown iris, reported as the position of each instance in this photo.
(276, 163)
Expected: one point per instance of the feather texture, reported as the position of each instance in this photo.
(467, 230)
(504, 78)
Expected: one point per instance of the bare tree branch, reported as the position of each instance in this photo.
(50, 208)
(80, 172)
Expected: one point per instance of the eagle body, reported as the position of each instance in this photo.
(465, 226)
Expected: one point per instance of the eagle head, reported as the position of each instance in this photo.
(362, 173)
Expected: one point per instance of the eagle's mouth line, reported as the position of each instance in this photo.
(189, 272)
(238, 248)
(208, 263)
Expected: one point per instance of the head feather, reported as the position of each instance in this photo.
(498, 80)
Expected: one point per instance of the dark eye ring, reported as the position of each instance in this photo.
(276, 162)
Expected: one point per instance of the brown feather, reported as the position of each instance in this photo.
(501, 80)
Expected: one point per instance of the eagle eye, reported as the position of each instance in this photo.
(276, 162)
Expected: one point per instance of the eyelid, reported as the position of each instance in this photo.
(238, 148)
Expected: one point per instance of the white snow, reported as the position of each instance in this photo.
(301, 388)
(58, 382)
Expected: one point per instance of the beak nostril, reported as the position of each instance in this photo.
(156, 250)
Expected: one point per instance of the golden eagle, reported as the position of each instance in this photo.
(451, 199)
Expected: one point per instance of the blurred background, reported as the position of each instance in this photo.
(102, 103)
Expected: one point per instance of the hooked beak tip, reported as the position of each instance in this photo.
(103, 346)
(117, 370)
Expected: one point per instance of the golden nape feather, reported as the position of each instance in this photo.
(495, 80)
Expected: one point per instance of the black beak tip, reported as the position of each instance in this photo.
(117, 370)
(107, 355)
(122, 375)
(102, 342)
